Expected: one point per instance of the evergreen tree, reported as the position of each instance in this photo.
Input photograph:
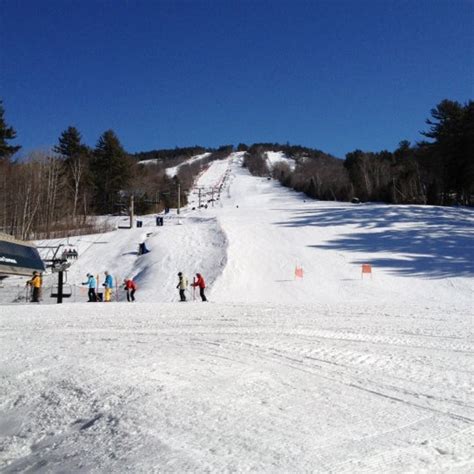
(111, 168)
(312, 189)
(70, 143)
(6, 133)
(358, 166)
(451, 160)
(466, 171)
(76, 162)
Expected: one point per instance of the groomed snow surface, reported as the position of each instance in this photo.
(329, 373)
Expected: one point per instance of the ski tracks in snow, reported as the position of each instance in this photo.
(212, 388)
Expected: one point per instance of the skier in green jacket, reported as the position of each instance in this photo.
(182, 286)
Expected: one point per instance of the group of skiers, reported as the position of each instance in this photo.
(131, 287)
(183, 286)
(36, 282)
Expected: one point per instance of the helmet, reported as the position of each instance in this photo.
(179, 273)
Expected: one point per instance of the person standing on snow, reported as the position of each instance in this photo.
(108, 285)
(130, 288)
(182, 286)
(201, 284)
(91, 284)
(35, 283)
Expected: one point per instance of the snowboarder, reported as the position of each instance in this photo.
(201, 284)
(108, 285)
(91, 284)
(182, 286)
(35, 284)
(130, 288)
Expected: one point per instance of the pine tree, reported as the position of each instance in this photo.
(111, 168)
(70, 143)
(451, 127)
(76, 162)
(6, 133)
(312, 189)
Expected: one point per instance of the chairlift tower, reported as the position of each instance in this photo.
(200, 189)
(132, 210)
(179, 198)
(59, 265)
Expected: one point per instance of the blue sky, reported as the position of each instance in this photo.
(334, 75)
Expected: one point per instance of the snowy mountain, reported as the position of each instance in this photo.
(337, 371)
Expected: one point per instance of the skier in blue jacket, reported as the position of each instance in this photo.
(91, 284)
(108, 284)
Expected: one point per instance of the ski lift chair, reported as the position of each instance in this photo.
(71, 253)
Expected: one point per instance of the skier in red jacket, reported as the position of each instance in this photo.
(130, 288)
(199, 282)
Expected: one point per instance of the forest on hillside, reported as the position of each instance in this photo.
(53, 193)
(438, 170)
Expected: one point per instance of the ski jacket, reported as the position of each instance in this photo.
(109, 282)
(183, 283)
(35, 282)
(199, 281)
(130, 285)
(90, 282)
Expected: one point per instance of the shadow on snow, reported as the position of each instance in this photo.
(436, 242)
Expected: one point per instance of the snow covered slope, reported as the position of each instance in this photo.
(252, 233)
(274, 157)
(234, 388)
(328, 373)
(418, 253)
(174, 170)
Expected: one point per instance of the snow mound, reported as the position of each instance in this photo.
(274, 157)
(173, 171)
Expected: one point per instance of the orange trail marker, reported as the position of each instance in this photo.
(366, 268)
(298, 272)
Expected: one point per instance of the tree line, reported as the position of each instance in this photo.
(437, 171)
(47, 194)
(53, 193)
